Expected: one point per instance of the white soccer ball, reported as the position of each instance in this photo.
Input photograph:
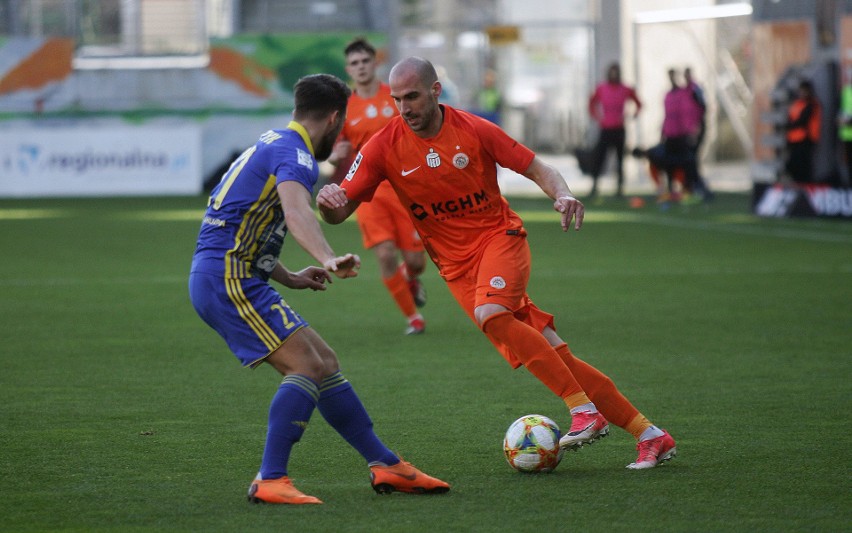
(532, 444)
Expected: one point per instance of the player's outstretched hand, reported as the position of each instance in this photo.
(570, 207)
(312, 277)
(345, 266)
(331, 196)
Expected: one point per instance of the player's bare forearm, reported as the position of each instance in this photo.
(312, 277)
(553, 184)
(333, 204)
(548, 179)
(302, 222)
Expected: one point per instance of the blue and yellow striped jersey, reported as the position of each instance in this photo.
(243, 228)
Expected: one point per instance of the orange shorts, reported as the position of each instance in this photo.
(500, 277)
(385, 219)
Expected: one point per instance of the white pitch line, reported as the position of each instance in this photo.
(783, 233)
(743, 229)
(157, 280)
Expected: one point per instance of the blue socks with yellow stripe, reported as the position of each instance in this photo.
(291, 409)
(289, 413)
(343, 410)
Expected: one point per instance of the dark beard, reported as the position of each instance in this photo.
(323, 150)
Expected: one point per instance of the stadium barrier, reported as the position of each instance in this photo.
(800, 200)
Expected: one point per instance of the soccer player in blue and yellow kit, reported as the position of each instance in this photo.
(266, 194)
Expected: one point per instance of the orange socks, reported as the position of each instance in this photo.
(537, 355)
(603, 392)
(398, 287)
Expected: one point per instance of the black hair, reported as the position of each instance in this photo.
(319, 95)
(360, 44)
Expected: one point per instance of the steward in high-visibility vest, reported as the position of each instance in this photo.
(845, 132)
(804, 119)
(846, 113)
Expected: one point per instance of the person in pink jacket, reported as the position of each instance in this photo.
(607, 107)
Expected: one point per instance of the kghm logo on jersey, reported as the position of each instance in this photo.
(460, 160)
(453, 208)
(433, 159)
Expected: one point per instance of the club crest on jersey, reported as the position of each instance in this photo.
(353, 168)
(305, 159)
(498, 282)
(433, 159)
(460, 160)
(388, 111)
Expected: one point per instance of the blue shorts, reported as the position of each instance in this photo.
(248, 313)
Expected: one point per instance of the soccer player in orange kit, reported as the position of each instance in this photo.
(385, 225)
(442, 163)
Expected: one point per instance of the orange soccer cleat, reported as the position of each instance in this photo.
(279, 490)
(404, 477)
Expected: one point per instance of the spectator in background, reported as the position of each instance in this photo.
(679, 131)
(606, 107)
(489, 101)
(804, 117)
(845, 121)
(699, 117)
(451, 94)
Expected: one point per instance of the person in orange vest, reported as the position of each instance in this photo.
(804, 118)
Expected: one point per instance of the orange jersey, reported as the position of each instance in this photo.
(447, 183)
(366, 116)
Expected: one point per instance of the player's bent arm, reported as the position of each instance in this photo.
(302, 222)
(333, 204)
(553, 184)
(547, 178)
(311, 277)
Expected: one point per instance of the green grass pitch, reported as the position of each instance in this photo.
(121, 411)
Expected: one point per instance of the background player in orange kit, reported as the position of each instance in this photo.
(442, 163)
(385, 226)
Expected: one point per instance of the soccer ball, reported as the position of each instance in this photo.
(532, 444)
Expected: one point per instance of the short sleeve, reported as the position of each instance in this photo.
(366, 172)
(506, 151)
(295, 164)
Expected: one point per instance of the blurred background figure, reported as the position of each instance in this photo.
(450, 94)
(489, 100)
(804, 119)
(699, 113)
(680, 127)
(845, 121)
(607, 107)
